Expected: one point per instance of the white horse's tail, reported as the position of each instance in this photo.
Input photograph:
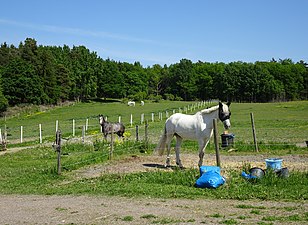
(160, 148)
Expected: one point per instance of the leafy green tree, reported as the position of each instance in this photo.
(63, 82)
(135, 79)
(220, 82)
(3, 101)
(20, 83)
(110, 81)
(204, 81)
(28, 50)
(184, 78)
(156, 76)
(46, 70)
(84, 66)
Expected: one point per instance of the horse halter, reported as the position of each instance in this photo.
(223, 116)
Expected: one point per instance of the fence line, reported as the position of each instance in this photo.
(87, 127)
(26, 132)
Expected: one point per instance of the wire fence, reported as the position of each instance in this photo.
(142, 132)
(83, 126)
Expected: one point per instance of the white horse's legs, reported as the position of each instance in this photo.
(168, 142)
(177, 151)
(202, 146)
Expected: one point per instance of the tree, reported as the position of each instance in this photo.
(184, 78)
(46, 70)
(20, 83)
(156, 78)
(110, 81)
(3, 101)
(204, 81)
(85, 70)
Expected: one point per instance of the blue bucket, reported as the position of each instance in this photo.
(204, 169)
(273, 163)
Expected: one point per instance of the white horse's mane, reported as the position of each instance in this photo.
(209, 110)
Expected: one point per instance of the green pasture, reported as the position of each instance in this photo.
(276, 123)
(285, 122)
(33, 170)
(81, 112)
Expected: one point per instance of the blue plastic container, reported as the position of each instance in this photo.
(273, 163)
(204, 169)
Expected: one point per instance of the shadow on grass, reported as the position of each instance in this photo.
(160, 166)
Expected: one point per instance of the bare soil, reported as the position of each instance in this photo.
(146, 163)
(31, 209)
(118, 210)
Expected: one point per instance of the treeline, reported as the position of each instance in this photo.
(37, 74)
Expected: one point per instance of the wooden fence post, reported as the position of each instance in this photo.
(146, 133)
(21, 133)
(216, 142)
(73, 128)
(131, 120)
(137, 133)
(83, 133)
(58, 150)
(57, 125)
(40, 128)
(2, 141)
(111, 144)
(254, 132)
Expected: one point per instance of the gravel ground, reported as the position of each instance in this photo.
(117, 210)
(32, 209)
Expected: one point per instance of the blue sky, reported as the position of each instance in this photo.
(164, 31)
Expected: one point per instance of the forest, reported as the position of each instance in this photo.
(37, 74)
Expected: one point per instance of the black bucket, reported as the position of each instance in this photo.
(227, 139)
(284, 173)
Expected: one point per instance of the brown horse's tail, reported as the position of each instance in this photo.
(160, 148)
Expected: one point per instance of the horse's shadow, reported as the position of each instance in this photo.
(160, 166)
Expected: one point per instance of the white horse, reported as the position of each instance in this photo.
(131, 103)
(193, 127)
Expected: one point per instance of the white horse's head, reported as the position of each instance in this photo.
(224, 114)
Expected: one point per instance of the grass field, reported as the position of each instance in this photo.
(276, 123)
(33, 171)
(80, 112)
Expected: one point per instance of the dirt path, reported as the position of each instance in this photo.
(31, 209)
(145, 163)
(116, 210)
